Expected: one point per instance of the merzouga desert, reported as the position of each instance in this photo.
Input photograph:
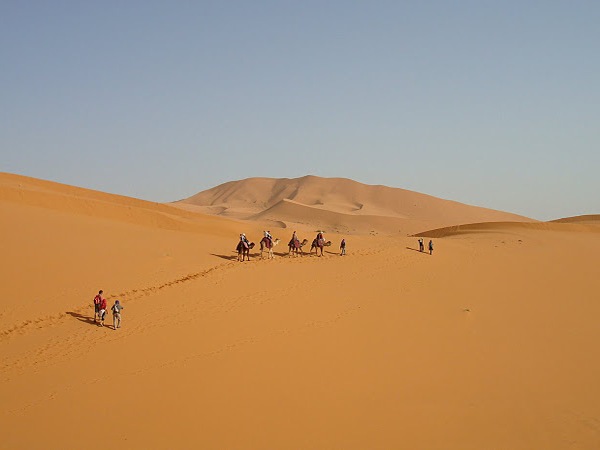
(314, 225)
(489, 340)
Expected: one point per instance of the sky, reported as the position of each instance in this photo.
(489, 103)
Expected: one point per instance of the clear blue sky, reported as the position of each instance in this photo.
(492, 103)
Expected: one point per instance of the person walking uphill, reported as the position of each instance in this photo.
(430, 247)
(97, 301)
(116, 310)
(343, 247)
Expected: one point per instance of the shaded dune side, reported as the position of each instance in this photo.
(59, 197)
(506, 227)
(590, 219)
(331, 221)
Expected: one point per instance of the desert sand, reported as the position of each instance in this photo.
(492, 342)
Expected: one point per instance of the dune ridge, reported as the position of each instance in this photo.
(504, 227)
(22, 190)
(591, 219)
(342, 200)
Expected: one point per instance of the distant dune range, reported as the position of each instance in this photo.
(337, 204)
(487, 343)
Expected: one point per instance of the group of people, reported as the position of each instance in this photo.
(422, 246)
(267, 235)
(293, 240)
(100, 305)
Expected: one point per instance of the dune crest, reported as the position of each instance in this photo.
(338, 203)
(589, 219)
(58, 197)
(508, 227)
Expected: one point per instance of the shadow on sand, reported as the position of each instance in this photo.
(417, 250)
(227, 257)
(81, 317)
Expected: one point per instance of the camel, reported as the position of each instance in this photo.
(295, 247)
(265, 244)
(243, 251)
(319, 244)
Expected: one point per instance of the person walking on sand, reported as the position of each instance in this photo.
(421, 245)
(102, 311)
(116, 310)
(430, 247)
(97, 301)
(343, 247)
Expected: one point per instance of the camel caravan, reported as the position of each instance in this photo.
(267, 243)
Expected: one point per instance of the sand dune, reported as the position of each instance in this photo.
(20, 190)
(567, 225)
(60, 240)
(297, 215)
(343, 201)
(488, 343)
(591, 219)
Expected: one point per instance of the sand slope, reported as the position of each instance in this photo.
(590, 219)
(61, 243)
(338, 204)
(488, 343)
(513, 227)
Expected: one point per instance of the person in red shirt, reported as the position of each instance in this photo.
(102, 311)
(97, 302)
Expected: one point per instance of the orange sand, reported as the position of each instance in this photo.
(491, 343)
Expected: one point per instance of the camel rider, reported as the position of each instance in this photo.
(293, 240)
(244, 240)
(269, 237)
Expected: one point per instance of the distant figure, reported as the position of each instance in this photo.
(343, 247)
(421, 246)
(97, 301)
(102, 311)
(430, 247)
(244, 240)
(116, 310)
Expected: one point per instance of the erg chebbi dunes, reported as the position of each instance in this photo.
(488, 342)
(337, 204)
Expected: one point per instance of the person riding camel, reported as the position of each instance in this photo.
(269, 237)
(244, 240)
(294, 243)
(320, 239)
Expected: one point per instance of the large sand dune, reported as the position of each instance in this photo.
(338, 204)
(490, 343)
